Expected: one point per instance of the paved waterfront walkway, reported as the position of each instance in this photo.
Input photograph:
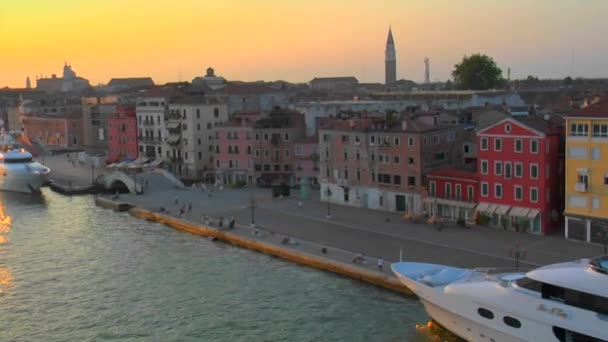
(366, 231)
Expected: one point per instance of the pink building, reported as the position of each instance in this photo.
(452, 194)
(258, 148)
(379, 163)
(306, 155)
(233, 152)
(122, 134)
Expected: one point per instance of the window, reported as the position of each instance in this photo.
(345, 139)
(345, 173)
(325, 137)
(257, 152)
(358, 174)
(519, 193)
(485, 313)
(440, 156)
(448, 190)
(579, 130)
(484, 189)
(411, 160)
(470, 195)
(216, 112)
(345, 156)
(484, 167)
(432, 187)
(512, 322)
(529, 284)
(458, 191)
(484, 144)
(410, 141)
(600, 130)
(497, 168)
(396, 159)
(519, 170)
(605, 178)
(577, 152)
(508, 170)
(200, 156)
(508, 128)
(534, 171)
(372, 140)
(519, 146)
(497, 144)
(436, 139)
(357, 140)
(396, 179)
(466, 148)
(534, 195)
(411, 181)
(357, 155)
(534, 146)
(265, 136)
(396, 141)
(249, 149)
(595, 203)
(498, 190)
(595, 153)
(286, 137)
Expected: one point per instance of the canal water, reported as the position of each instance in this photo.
(70, 271)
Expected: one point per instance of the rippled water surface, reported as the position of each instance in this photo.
(70, 271)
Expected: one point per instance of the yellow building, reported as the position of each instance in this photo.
(586, 183)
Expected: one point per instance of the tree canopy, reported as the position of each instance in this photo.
(477, 72)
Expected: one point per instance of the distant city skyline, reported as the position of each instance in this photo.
(297, 40)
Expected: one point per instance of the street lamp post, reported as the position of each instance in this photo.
(518, 253)
(328, 192)
(252, 207)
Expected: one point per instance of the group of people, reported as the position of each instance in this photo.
(231, 222)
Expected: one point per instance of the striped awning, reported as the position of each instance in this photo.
(502, 209)
(519, 212)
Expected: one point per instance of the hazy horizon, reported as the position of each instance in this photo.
(297, 40)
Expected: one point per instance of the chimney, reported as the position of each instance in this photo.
(404, 125)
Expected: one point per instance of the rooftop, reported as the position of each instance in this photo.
(596, 110)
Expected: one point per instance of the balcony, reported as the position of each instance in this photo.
(580, 187)
(147, 122)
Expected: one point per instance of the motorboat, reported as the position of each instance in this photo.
(565, 302)
(20, 173)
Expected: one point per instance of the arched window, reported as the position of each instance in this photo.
(485, 313)
(512, 322)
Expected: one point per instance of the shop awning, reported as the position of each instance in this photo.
(533, 213)
(519, 212)
(173, 125)
(502, 209)
(487, 208)
(452, 203)
(482, 207)
(111, 166)
(173, 138)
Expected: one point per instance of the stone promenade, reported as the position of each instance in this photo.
(354, 230)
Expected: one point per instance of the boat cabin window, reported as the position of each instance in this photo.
(485, 313)
(512, 322)
(17, 160)
(575, 298)
(564, 335)
(529, 284)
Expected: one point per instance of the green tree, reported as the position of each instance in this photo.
(477, 72)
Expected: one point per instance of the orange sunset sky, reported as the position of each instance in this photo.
(297, 40)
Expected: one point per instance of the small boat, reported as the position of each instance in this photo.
(561, 302)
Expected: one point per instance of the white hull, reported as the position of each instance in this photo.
(464, 327)
(456, 305)
(26, 178)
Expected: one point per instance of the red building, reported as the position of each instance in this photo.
(122, 134)
(521, 170)
(452, 194)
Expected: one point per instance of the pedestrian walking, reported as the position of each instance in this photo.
(189, 207)
(231, 223)
(221, 223)
(380, 263)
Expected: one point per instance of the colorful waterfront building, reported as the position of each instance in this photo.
(452, 194)
(521, 170)
(306, 159)
(586, 201)
(379, 162)
(259, 148)
(122, 134)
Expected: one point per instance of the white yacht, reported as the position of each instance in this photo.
(20, 173)
(562, 302)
